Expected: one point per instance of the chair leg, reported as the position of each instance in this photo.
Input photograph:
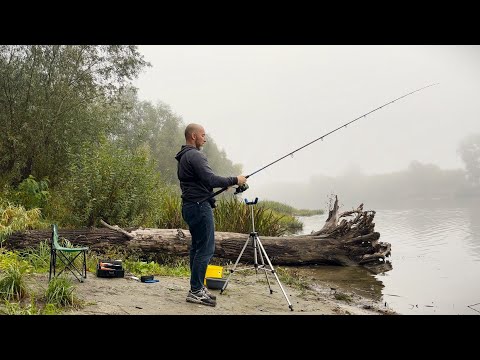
(85, 264)
(50, 272)
(54, 262)
(69, 264)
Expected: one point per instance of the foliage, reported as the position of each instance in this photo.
(155, 127)
(10, 258)
(61, 292)
(38, 258)
(287, 209)
(139, 268)
(110, 183)
(16, 218)
(233, 215)
(13, 308)
(32, 308)
(54, 98)
(170, 214)
(12, 282)
(32, 193)
(92, 261)
(50, 309)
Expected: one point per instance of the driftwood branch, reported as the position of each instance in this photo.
(117, 228)
(361, 223)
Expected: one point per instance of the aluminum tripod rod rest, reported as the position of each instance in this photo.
(258, 252)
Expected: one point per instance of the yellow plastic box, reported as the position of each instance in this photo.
(213, 271)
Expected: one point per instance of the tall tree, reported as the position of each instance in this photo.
(53, 98)
(154, 126)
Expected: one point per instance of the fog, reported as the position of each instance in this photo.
(262, 102)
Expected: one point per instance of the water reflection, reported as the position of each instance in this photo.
(354, 279)
(435, 251)
(380, 268)
(473, 238)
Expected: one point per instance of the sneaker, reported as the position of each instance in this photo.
(200, 297)
(209, 294)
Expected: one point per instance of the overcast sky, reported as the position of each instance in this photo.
(262, 102)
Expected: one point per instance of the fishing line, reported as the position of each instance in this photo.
(244, 187)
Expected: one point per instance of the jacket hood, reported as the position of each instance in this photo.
(183, 150)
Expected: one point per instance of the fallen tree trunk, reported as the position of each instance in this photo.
(349, 242)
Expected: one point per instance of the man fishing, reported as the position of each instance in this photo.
(197, 181)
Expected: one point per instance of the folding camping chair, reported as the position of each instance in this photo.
(63, 254)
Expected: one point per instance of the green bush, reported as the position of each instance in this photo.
(235, 216)
(12, 282)
(60, 292)
(139, 268)
(17, 309)
(38, 258)
(169, 214)
(17, 218)
(109, 183)
(32, 193)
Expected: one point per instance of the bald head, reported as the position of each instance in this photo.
(192, 128)
(195, 135)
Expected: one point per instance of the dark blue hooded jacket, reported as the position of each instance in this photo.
(197, 179)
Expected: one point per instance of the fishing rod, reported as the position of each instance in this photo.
(244, 187)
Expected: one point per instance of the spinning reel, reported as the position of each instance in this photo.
(241, 189)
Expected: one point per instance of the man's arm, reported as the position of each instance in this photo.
(205, 173)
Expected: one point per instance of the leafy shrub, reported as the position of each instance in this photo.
(60, 292)
(110, 183)
(38, 258)
(17, 218)
(235, 216)
(32, 193)
(12, 282)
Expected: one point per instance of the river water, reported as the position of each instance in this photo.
(435, 260)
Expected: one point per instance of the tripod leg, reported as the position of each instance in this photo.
(236, 263)
(255, 258)
(262, 249)
(266, 275)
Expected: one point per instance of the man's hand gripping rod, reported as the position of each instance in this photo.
(238, 190)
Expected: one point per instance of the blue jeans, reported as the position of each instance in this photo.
(199, 218)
